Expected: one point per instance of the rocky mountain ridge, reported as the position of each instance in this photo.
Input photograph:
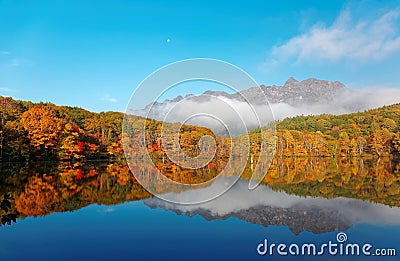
(293, 92)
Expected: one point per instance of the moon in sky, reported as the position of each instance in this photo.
(168, 40)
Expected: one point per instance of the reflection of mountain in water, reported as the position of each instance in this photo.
(298, 219)
(266, 207)
(316, 195)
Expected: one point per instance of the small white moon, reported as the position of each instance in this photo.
(168, 40)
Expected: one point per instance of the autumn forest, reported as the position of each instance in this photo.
(44, 131)
(60, 158)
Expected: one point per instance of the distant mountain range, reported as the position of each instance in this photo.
(233, 114)
(293, 92)
(250, 106)
(240, 112)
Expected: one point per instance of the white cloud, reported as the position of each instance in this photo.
(7, 90)
(342, 103)
(345, 39)
(108, 98)
(231, 112)
(4, 53)
(17, 62)
(112, 100)
(221, 114)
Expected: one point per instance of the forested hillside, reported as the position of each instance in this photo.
(372, 133)
(44, 131)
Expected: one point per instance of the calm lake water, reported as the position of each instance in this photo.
(97, 211)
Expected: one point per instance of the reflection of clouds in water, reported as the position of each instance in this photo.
(239, 197)
(106, 210)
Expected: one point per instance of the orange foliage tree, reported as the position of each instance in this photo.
(43, 126)
(38, 197)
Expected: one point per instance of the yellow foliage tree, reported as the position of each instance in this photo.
(43, 126)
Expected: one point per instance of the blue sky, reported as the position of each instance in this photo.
(93, 54)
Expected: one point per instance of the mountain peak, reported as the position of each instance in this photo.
(290, 81)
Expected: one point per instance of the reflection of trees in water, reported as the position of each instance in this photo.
(44, 188)
(39, 197)
(5, 210)
(373, 180)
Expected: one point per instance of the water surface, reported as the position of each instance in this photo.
(97, 211)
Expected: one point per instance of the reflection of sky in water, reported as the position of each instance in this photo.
(133, 231)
